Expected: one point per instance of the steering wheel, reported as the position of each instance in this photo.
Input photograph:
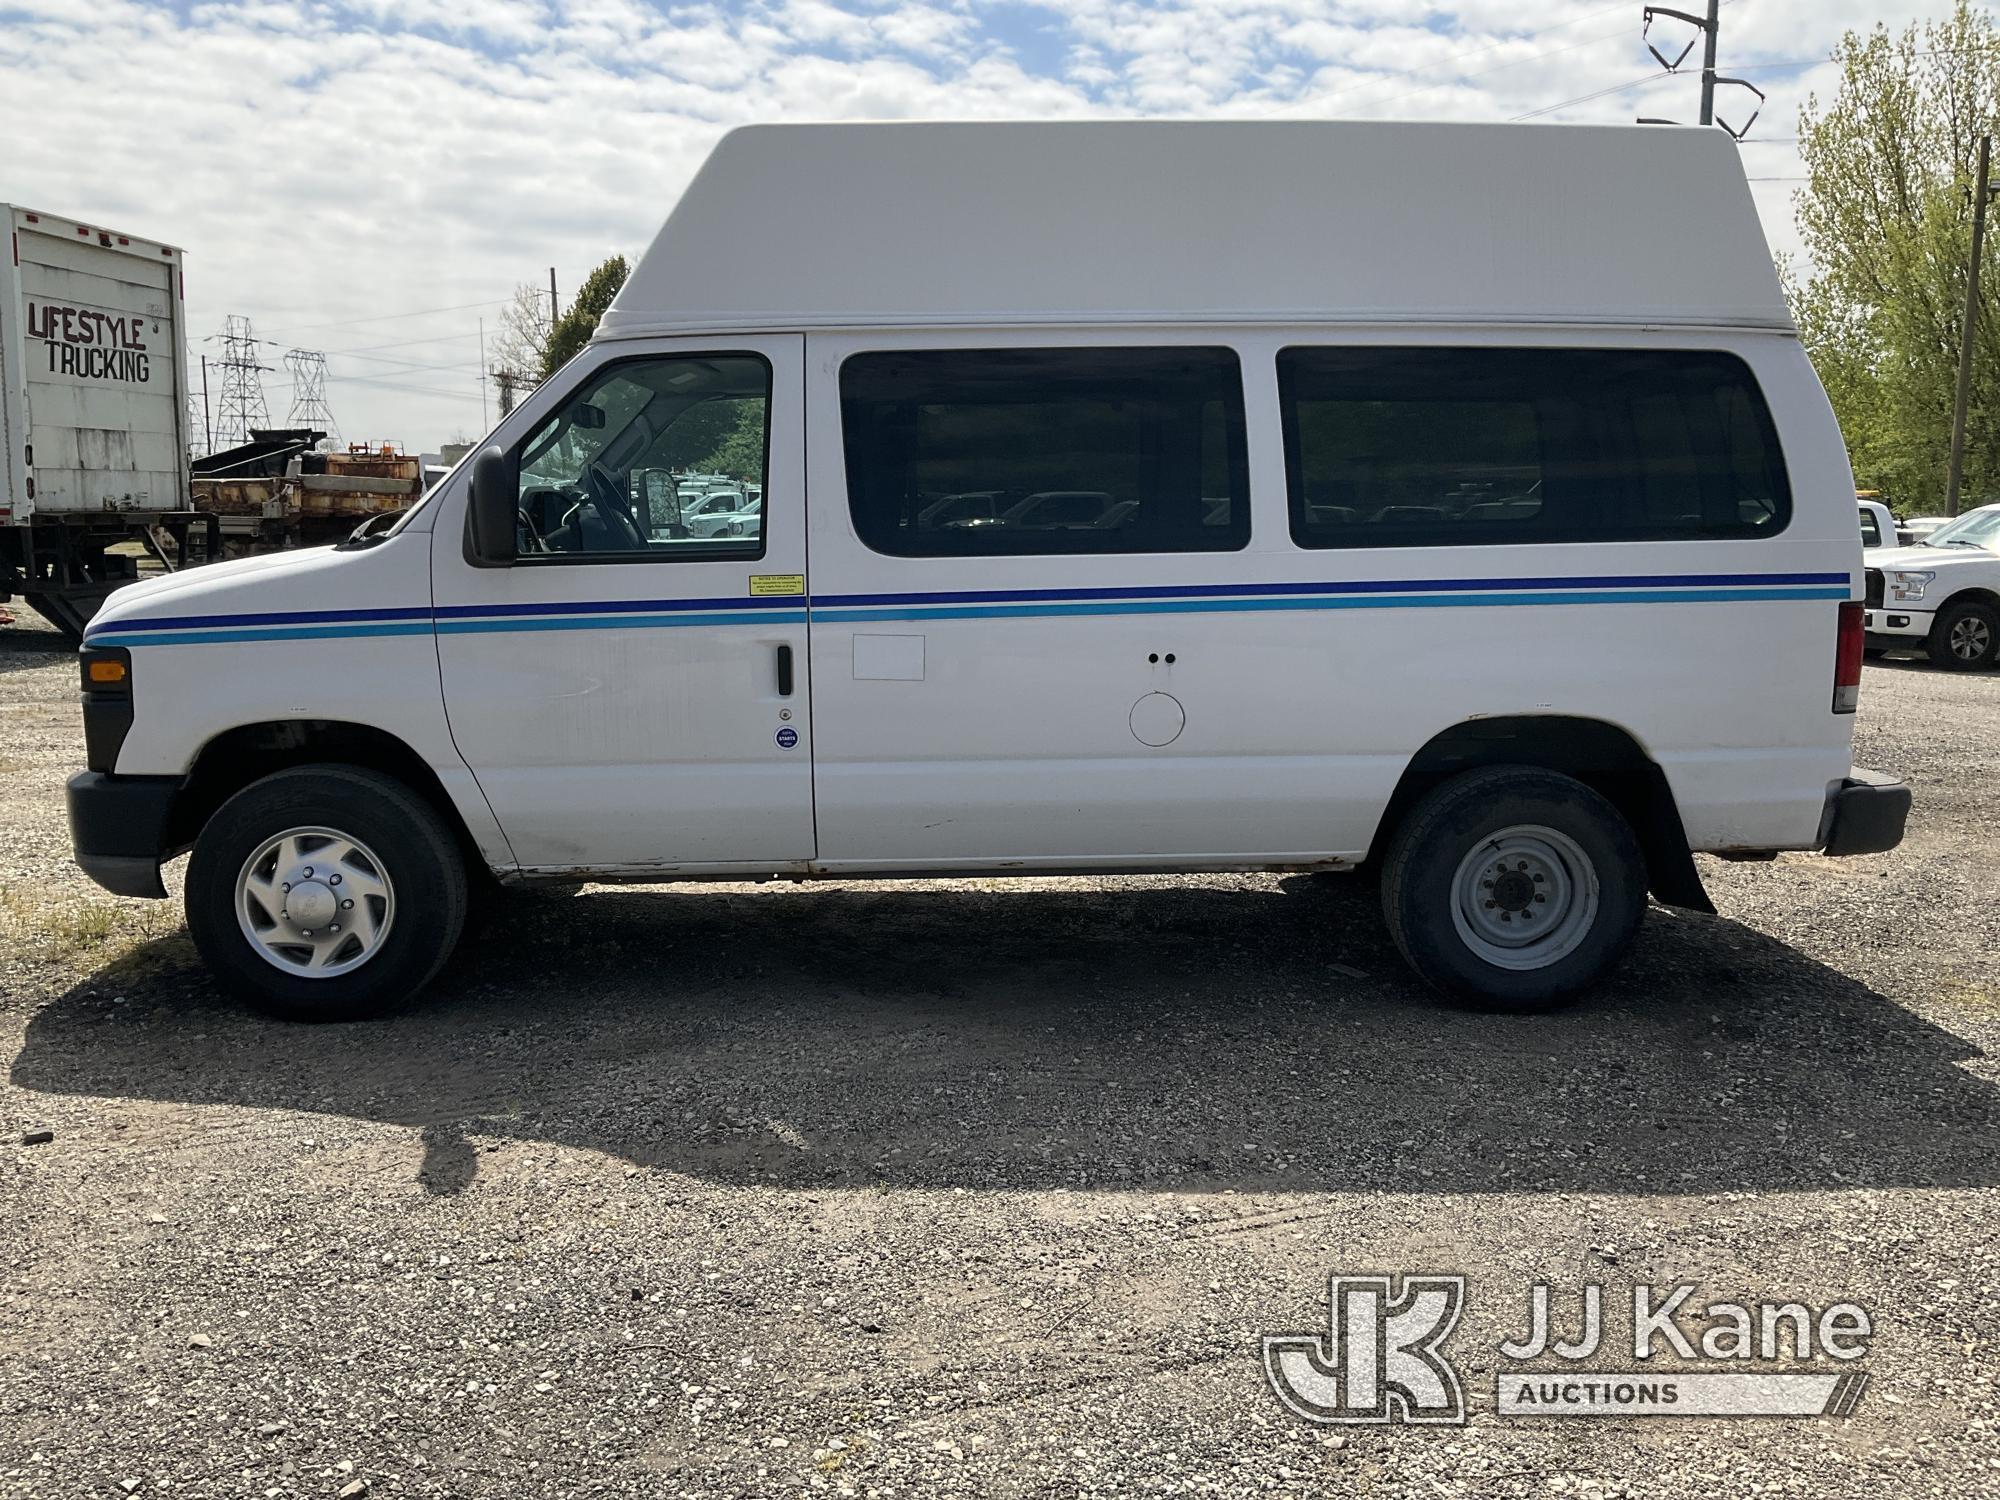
(526, 538)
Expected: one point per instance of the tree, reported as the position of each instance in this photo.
(579, 320)
(524, 333)
(726, 434)
(1886, 217)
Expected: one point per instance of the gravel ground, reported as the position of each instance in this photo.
(986, 1188)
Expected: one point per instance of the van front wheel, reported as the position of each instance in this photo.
(1513, 889)
(325, 893)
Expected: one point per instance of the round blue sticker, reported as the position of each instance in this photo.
(787, 737)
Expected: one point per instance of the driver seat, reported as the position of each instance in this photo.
(595, 527)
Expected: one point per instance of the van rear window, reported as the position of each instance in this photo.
(1428, 447)
(1019, 452)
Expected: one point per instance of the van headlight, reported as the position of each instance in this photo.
(1907, 588)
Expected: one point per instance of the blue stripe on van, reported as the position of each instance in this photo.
(629, 614)
(793, 616)
(1337, 601)
(1359, 586)
(421, 614)
(132, 635)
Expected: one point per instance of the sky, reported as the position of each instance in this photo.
(373, 178)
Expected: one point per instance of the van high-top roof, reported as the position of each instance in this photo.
(918, 223)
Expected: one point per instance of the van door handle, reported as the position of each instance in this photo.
(784, 671)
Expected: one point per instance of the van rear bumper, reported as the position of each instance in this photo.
(1865, 814)
(118, 828)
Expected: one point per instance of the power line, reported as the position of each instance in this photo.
(442, 338)
(1616, 88)
(1342, 95)
(422, 312)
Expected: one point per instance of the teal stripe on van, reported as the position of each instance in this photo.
(1340, 601)
(852, 609)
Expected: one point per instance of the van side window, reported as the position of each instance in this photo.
(654, 458)
(1019, 452)
(1428, 447)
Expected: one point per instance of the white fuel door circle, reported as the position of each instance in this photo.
(1158, 719)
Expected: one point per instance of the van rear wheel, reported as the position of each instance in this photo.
(326, 893)
(1513, 889)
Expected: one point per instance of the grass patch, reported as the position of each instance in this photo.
(1979, 999)
(57, 927)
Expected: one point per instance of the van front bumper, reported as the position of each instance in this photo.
(1865, 814)
(118, 829)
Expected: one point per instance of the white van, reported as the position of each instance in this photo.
(1454, 499)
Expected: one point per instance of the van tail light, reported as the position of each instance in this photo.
(1847, 660)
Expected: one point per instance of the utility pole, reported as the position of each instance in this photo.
(1980, 191)
(555, 309)
(1709, 30)
(207, 426)
(482, 376)
(1710, 27)
(506, 379)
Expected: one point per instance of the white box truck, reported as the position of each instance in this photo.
(93, 411)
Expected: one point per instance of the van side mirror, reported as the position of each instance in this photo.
(492, 511)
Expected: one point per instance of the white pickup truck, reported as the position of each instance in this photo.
(1941, 596)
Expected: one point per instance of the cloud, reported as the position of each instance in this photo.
(353, 173)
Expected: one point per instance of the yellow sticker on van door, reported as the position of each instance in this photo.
(777, 583)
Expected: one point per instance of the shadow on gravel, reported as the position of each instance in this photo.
(1162, 1036)
(30, 649)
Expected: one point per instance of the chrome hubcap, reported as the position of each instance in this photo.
(1524, 898)
(314, 902)
(1970, 638)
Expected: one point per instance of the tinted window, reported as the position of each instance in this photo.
(1871, 529)
(970, 452)
(1436, 447)
(651, 458)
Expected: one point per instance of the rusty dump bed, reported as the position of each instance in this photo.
(279, 489)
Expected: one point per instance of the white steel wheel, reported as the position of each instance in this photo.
(1525, 898)
(1513, 888)
(315, 902)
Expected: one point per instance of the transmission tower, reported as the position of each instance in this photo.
(197, 425)
(241, 406)
(309, 408)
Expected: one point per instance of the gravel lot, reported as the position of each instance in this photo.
(984, 1188)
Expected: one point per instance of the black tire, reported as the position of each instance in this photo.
(1451, 823)
(418, 856)
(1965, 636)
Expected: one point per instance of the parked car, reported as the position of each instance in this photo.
(1941, 596)
(722, 513)
(1525, 721)
(1878, 526)
(1917, 528)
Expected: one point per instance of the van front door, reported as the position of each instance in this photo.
(631, 693)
